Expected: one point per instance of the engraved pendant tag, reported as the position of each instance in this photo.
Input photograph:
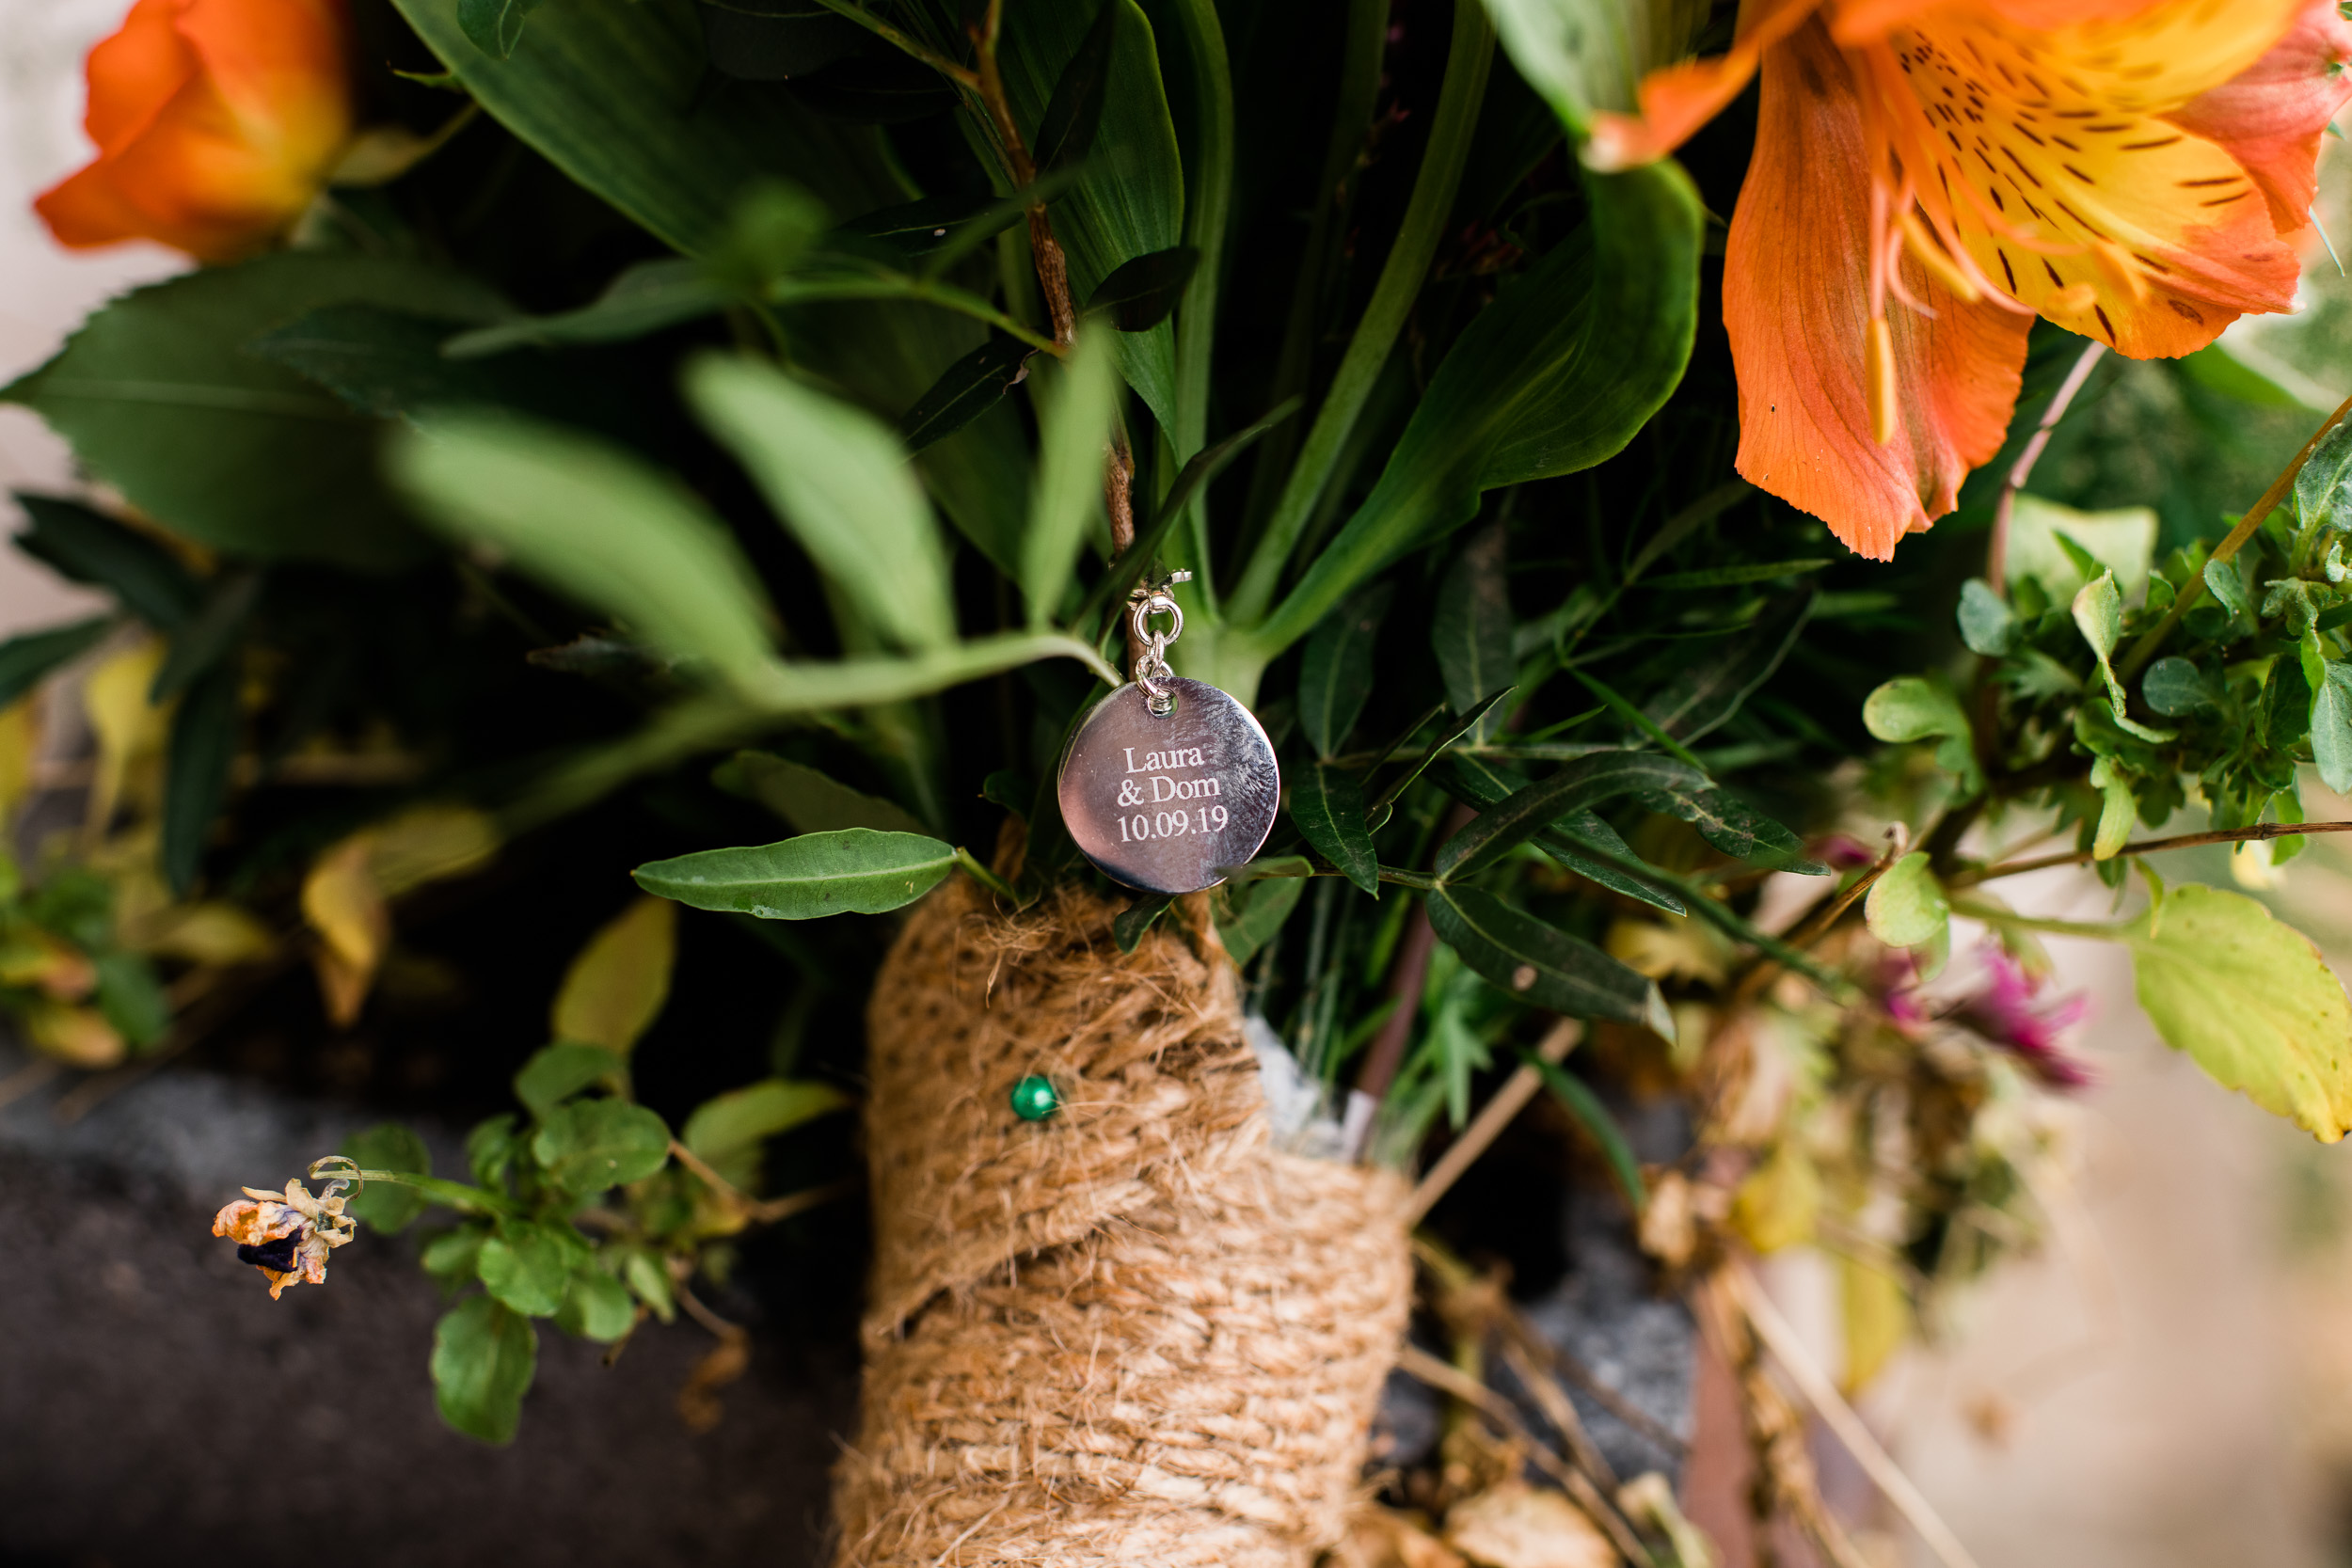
(1166, 803)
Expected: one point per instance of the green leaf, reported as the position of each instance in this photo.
(493, 1148)
(389, 1146)
(1584, 56)
(1127, 930)
(2118, 809)
(1558, 374)
(1579, 1100)
(1735, 828)
(556, 1072)
(1914, 707)
(853, 871)
(1541, 965)
(840, 480)
(2097, 611)
(1907, 907)
(613, 95)
(1074, 417)
(1987, 624)
(651, 1283)
(215, 628)
(1726, 576)
(2175, 688)
(1141, 293)
(483, 1359)
(451, 1258)
(965, 390)
(1130, 200)
(204, 733)
(809, 801)
(643, 299)
(1462, 724)
(1708, 692)
(524, 1266)
(1335, 673)
(2332, 726)
(25, 659)
(159, 398)
(132, 998)
(593, 520)
(1328, 805)
(494, 25)
(1066, 131)
(1478, 782)
(1579, 786)
(727, 1130)
(590, 1145)
(89, 546)
(1258, 909)
(597, 1306)
(1470, 628)
(2251, 1000)
(2322, 488)
(2224, 582)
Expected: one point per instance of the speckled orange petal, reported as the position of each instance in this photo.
(1796, 303)
(2047, 156)
(1678, 99)
(2271, 115)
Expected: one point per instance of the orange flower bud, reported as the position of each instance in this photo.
(216, 123)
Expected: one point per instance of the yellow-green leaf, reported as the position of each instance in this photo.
(617, 983)
(1907, 907)
(2251, 1000)
(1777, 1205)
(1878, 1319)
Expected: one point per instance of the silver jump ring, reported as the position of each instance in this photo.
(1158, 701)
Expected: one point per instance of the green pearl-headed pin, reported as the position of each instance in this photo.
(1034, 1098)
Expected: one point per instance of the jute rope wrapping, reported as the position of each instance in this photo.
(1134, 1334)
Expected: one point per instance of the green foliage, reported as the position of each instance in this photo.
(1906, 907)
(727, 1131)
(590, 1145)
(388, 1145)
(854, 870)
(483, 1356)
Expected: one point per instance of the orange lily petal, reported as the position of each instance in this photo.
(1796, 303)
(1678, 99)
(2270, 117)
(2045, 154)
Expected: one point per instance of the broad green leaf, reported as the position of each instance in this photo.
(89, 546)
(29, 657)
(494, 25)
(597, 1306)
(524, 1266)
(1076, 414)
(617, 983)
(1328, 805)
(1558, 374)
(840, 480)
(556, 1072)
(388, 1145)
(2118, 810)
(590, 1145)
(2097, 611)
(1470, 628)
(484, 1356)
(1258, 909)
(965, 390)
(2175, 688)
(1712, 689)
(204, 734)
(1139, 295)
(2322, 488)
(1542, 965)
(1130, 201)
(451, 1258)
(614, 96)
(159, 398)
(1907, 907)
(131, 998)
(650, 1282)
(2227, 587)
(2061, 548)
(1587, 56)
(855, 871)
(809, 801)
(1335, 671)
(1987, 624)
(1579, 786)
(593, 520)
(726, 1131)
(2332, 726)
(1914, 707)
(2251, 1000)
(493, 1148)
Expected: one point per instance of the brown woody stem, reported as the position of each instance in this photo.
(2256, 834)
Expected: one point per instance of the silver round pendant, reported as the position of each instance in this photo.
(1166, 803)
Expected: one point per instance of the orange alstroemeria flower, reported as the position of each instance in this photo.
(216, 124)
(1929, 175)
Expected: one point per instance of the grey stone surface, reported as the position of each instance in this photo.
(156, 1407)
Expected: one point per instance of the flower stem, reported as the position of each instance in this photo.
(1996, 550)
(2259, 831)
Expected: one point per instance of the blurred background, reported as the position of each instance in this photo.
(2169, 1386)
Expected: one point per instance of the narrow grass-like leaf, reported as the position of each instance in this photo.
(1075, 420)
(196, 775)
(1066, 132)
(855, 871)
(1335, 671)
(1579, 1100)
(808, 799)
(1470, 632)
(1453, 733)
(89, 546)
(965, 390)
(26, 659)
(1142, 292)
(1477, 780)
(1579, 786)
